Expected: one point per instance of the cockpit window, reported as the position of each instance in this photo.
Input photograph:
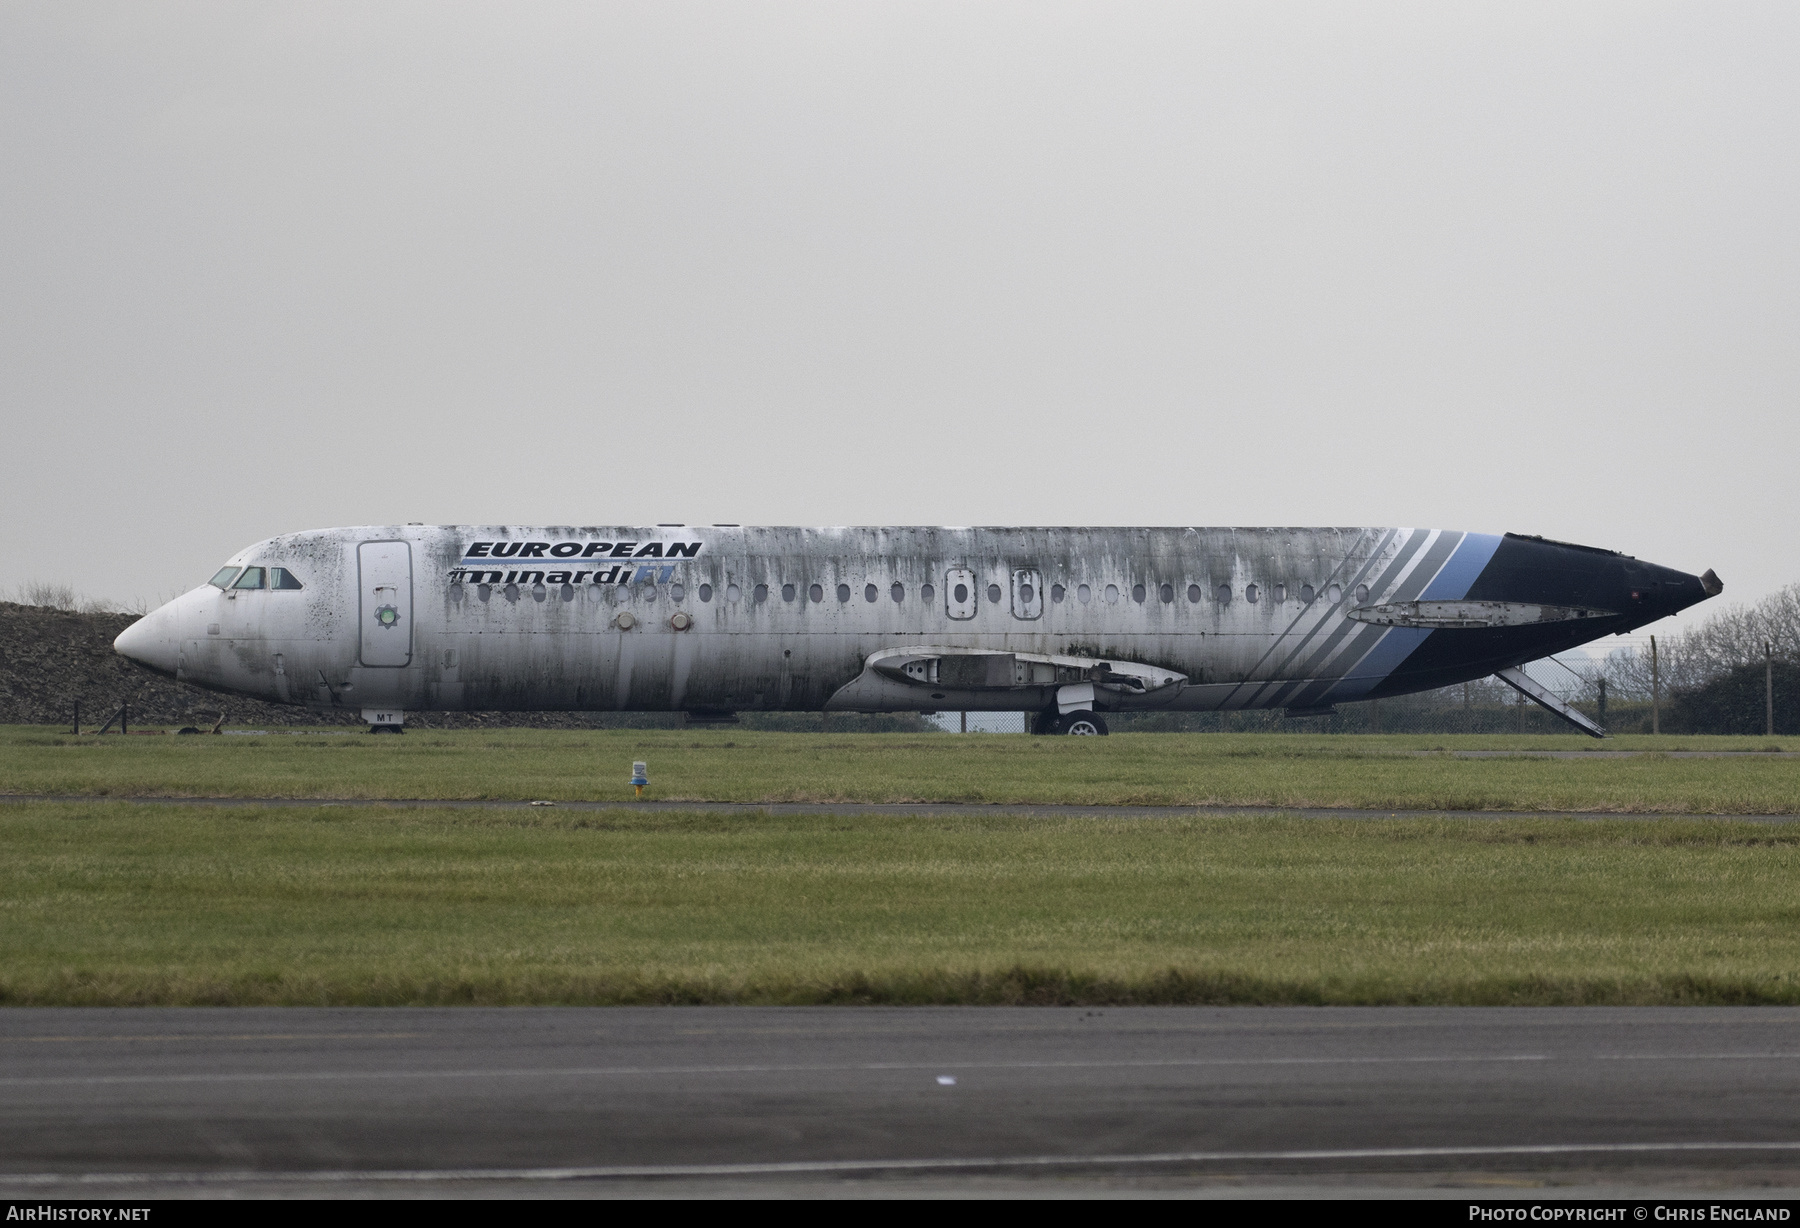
(252, 578)
(223, 579)
(281, 577)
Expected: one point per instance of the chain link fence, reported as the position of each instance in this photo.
(1487, 706)
(1623, 692)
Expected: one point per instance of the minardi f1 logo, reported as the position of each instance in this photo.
(647, 573)
(477, 566)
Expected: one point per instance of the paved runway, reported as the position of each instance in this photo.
(895, 808)
(827, 1100)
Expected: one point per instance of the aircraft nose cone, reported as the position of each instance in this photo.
(149, 641)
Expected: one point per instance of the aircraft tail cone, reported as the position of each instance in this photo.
(1710, 583)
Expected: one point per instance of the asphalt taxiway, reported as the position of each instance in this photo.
(830, 1100)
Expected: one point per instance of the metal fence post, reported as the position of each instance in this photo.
(1655, 691)
(1768, 689)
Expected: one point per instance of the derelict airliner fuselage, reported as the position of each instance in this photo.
(1067, 623)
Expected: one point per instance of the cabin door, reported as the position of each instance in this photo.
(385, 613)
(1027, 594)
(960, 597)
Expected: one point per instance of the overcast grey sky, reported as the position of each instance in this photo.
(1504, 266)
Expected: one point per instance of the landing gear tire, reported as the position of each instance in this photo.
(1082, 725)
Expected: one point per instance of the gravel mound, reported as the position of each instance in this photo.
(49, 659)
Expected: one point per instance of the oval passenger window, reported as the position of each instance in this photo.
(1027, 594)
(485, 591)
(1112, 594)
(1167, 593)
(1281, 592)
(960, 593)
(1251, 592)
(870, 592)
(677, 592)
(787, 592)
(898, 592)
(1306, 593)
(1057, 593)
(843, 592)
(568, 592)
(1362, 593)
(1223, 594)
(1334, 594)
(1137, 593)
(760, 593)
(706, 592)
(994, 594)
(1084, 594)
(733, 592)
(1194, 593)
(816, 593)
(926, 592)
(511, 592)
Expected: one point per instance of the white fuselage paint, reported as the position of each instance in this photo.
(667, 618)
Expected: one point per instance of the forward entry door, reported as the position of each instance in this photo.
(384, 571)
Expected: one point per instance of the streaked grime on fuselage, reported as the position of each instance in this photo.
(726, 618)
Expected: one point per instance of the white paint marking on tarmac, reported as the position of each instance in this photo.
(625, 1071)
(597, 1172)
(629, 1071)
(212, 1036)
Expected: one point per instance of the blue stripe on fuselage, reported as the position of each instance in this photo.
(1458, 575)
(1452, 583)
(1383, 659)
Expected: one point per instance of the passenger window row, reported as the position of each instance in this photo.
(1058, 593)
(1222, 594)
(538, 590)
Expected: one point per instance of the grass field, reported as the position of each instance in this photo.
(110, 902)
(1378, 772)
(123, 904)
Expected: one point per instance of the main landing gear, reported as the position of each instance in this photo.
(1077, 724)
